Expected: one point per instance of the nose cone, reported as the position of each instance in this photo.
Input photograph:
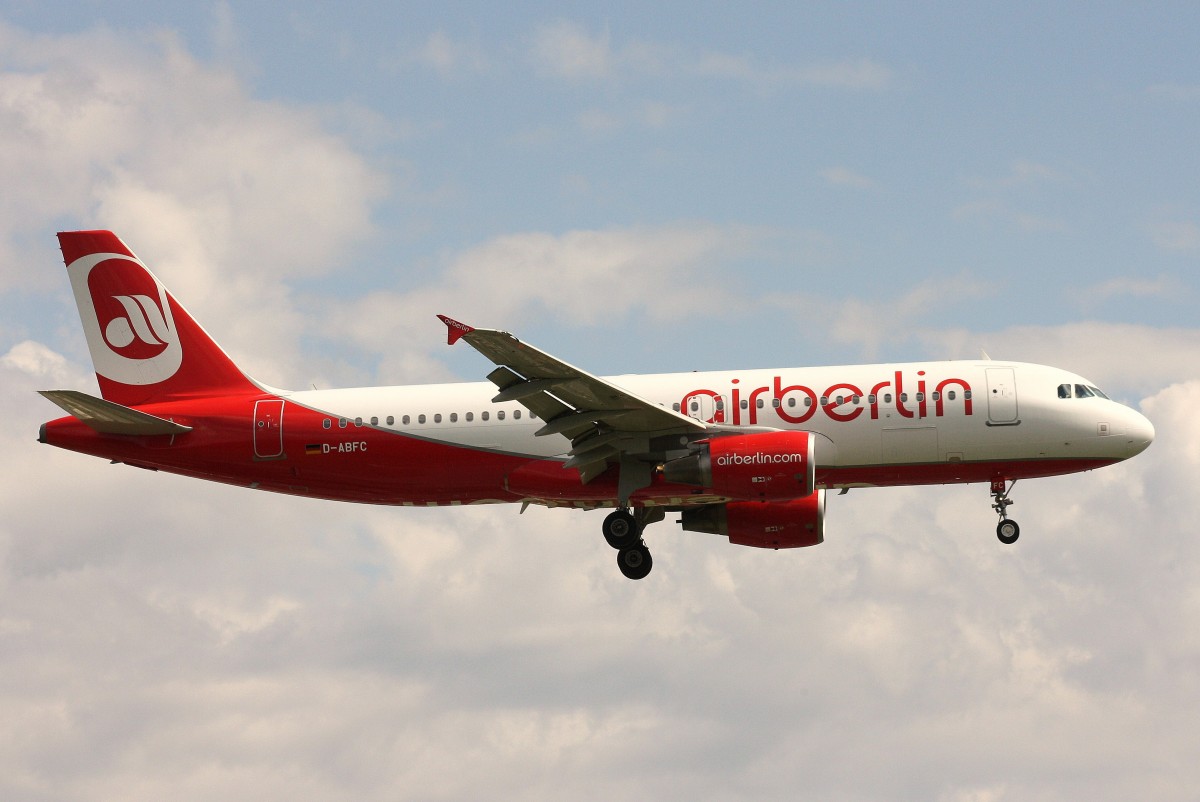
(1139, 433)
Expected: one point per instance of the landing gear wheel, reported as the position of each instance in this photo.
(1008, 531)
(621, 529)
(635, 562)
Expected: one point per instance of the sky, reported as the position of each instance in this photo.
(634, 188)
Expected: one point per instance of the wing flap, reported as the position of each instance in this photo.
(107, 417)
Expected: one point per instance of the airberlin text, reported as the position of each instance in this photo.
(842, 402)
(758, 458)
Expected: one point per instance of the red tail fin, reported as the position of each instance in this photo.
(145, 346)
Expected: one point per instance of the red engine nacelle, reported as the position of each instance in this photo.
(767, 466)
(763, 524)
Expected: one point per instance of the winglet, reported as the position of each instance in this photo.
(454, 329)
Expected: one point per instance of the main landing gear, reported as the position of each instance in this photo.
(1007, 530)
(623, 531)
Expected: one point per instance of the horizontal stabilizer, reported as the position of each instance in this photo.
(107, 417)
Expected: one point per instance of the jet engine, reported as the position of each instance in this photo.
(769, 466)
(763, 524)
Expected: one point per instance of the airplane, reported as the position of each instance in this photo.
(744, 454)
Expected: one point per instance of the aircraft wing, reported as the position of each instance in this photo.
(604, 422)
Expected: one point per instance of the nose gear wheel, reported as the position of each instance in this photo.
(1007, 530)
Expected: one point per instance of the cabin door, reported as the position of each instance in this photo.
(268, 429)
(1002, 396)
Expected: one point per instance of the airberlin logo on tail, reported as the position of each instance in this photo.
(127, 319)
(143, 321)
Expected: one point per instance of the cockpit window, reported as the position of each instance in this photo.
(1079, 391)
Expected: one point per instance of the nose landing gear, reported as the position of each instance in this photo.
(1007, 530)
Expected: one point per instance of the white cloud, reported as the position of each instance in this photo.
(998, 204)
(871, 325)
(581, 277)
(1123, 287)
(206, 183)
(569, 51)
(1124, 359)
(995, 210)
(35, 359)
(450, 57)
(647, 116)
(1180, 236)
(860, 75)
(845, 177)
(1021, 173)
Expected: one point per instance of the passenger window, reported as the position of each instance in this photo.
(342, 423)
(950, 395)
(454, 417)
(483, 415)
(405, 420)
(920, 397)
(854, 400)
(775, 403)
(903, 397)
(421, 418)
(358, 421)
(759, 403)
(437, 417)
(470, 417)
(500, 415)
(675, 407)
(391, 420)
(887, 398)
(935, 395)
(326, 423)
(720, 405)
(745, 404)
(824, 400)
(695, 406)
(872, 399)
(516, 414)
(791, 402)
(1064, 391)
(374, 420)
(966, 395)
